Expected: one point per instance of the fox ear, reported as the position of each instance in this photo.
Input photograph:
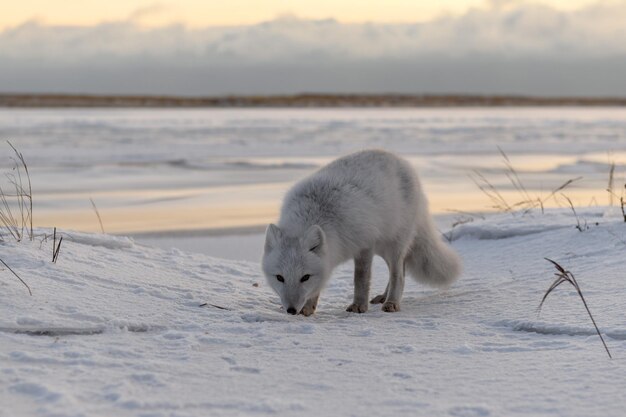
(272, 236)
(314, 239)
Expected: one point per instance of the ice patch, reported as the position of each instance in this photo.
(559, 330)
(400, 349)
(251, 164)
(36, 391)
(54, 332)
(510, 225)
(500, 231)
(469, 411)
(245, 370)
(260, 164)
(77, 331)
(263, 317)
(105, 241)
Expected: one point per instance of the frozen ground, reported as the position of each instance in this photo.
(171, 170)
(115, 328)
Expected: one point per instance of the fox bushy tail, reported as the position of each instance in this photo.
(430, 260)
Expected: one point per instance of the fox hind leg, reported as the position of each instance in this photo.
(395, 288)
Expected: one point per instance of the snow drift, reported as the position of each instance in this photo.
(118, 328)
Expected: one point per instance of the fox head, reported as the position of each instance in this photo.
(294, 265)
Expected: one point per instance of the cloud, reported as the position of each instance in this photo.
(154, 14)
(510, 46)
(147, 11)
(496, 4)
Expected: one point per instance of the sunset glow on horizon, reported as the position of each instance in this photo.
(198, 13)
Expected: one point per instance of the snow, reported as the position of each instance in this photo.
(117, 328)
(237, 246)
(130, 326)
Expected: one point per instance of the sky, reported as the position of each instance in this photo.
(202, 13)
(194, 47)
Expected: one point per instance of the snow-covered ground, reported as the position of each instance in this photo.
(116, 328)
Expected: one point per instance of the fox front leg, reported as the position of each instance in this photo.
(310, 306)
(362, 278)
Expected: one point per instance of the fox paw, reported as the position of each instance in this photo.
(391, 307)
(379, 299)
(308, 310)
(357, 308)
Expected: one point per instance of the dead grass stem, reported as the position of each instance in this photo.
(95, 208)
(562, 276)
(17, 217)
(527, 201)
(56, 248)
(580, 226)
(611, 181)
(17, 276)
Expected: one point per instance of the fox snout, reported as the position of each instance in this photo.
(293, 307)
(293, 300)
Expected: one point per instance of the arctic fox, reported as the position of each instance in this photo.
(364, 204)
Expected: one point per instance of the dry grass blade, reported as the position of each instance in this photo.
(562, 187)
(17, 276)
(214, 305)
(527, 202)
(6, 217)
(467, 213)
(55, 255)
(560, 280)
(611, 182)
(457, 222)
(556, 265)
(22, 219)
(97, 214)
(44, 239)
(622, 202)
(55, 247)
(490, 191)
(513, 177)
(563, 276)
(23, 193)
(580, 227)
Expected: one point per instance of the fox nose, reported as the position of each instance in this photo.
(291, 310)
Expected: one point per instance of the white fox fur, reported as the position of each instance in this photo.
(364, 204)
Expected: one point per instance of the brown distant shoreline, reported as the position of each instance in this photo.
(297, 101)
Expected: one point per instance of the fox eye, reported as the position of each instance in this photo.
(280, 278)
(305, 278)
